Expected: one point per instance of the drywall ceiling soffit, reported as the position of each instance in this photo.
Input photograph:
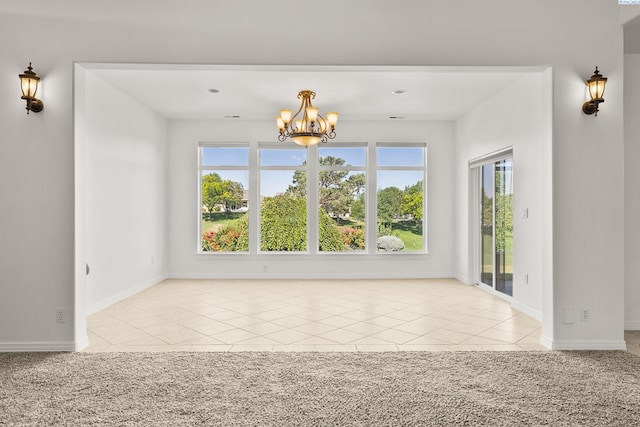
(182, 92)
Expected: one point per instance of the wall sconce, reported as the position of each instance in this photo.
(596, 86)
(29, 84)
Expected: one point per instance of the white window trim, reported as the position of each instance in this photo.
(256, 243)
(371, 168)
(425, 185)
(496, 156)
(201, 168)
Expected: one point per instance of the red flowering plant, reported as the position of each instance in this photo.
(353, 237)
(226, 239)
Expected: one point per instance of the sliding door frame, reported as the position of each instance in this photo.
(475, 217)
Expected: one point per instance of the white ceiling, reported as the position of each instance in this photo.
(358, 93)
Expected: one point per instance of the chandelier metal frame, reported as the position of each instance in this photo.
(306, 127)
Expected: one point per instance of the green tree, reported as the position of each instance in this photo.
(504, 223)
(329, 236)
(283, 223)
(412, 205)
(337, 189)
(501, 213)
(355, 185)
(412, 200)
(216, 191)
(389, 203)
(357, 207)
(415, 188)
(283, 226)
(299, 186)
(334, 195)
(487, 210)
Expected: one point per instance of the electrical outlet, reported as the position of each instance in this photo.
(585, 314)
(60, 317)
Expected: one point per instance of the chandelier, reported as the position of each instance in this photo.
(306, 127)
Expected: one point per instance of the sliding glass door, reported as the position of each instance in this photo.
(486, 224)
(496, 225)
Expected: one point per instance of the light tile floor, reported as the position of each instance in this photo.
(633, 341)
(313, 315)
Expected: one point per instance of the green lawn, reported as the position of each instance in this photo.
(220, 219)
(410, 233)
(488, 256)
(349, 222)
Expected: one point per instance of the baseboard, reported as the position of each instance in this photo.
(582, 345)
(493, 292)
(312, 275)
(22, 347)
(546, 342)
(464, 280)
(94, 308)
(522, 308)
(82, 343)
(632, 325)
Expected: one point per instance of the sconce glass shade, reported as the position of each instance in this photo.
(596, 85)
(29, 85)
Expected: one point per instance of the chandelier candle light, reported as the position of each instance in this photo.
(306, 127)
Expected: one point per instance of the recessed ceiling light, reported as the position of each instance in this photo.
(396, 117)
(234, 116)
(399, 92)
(214, 90)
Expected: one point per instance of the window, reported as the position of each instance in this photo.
(400, 198)
(224, 200)
(283, 199)
(337, 198)
(341, 199)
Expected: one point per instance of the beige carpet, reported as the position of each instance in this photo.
(309, 389)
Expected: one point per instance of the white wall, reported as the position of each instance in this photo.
(513, 118)
(37, 151)
(184, 262)
(632, 192)
(125, 194)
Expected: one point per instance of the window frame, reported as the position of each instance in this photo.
(366, 170)
(259, 169)
(313, 169)
(202, 168)
(425, 175)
